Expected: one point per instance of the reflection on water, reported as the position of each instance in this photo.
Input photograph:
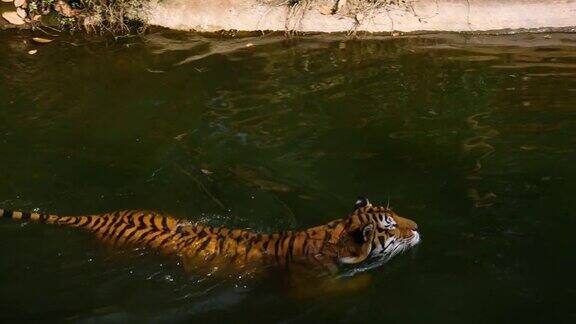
(471, 136)
(479, 147)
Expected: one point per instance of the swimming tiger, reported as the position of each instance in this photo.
(368, 233)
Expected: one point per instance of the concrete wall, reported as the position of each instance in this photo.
(420, 15)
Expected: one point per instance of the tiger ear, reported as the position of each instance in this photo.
(363, 234)
(361, 202)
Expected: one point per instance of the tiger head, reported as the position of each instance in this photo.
(375, 233)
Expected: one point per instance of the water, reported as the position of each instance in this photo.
(473, 137)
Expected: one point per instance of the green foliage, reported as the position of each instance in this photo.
(104, 16)
(68, 23)
(113, 16)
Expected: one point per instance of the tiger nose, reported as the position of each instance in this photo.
(407, 223)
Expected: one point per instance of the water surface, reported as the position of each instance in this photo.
(473, 137)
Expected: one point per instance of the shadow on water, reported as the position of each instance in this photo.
(471, 136)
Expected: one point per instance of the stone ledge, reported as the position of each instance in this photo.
(420, 15)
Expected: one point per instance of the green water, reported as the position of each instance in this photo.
(473, 137)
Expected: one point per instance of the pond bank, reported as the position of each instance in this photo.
(355, 15)
(302, 15)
